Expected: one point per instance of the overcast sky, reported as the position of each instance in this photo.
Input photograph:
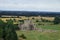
(30, 5)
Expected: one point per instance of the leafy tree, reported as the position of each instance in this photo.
(21, 21)
(1, 28)
(16, 27)
(9, 31)
(37, 21)
(14, 20)
(57, 20)
(45, 20)
(33, 18)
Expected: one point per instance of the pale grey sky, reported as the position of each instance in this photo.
(30, 5)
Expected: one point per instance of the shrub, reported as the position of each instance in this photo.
(23, 36)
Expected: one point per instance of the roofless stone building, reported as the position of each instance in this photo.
(27, 25)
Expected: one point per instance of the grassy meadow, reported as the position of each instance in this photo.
(36, 35)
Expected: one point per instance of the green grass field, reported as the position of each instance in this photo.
(52, 27)
(36, 35)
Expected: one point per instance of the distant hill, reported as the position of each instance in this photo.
(29, 13)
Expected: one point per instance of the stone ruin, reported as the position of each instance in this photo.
(27, 25)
